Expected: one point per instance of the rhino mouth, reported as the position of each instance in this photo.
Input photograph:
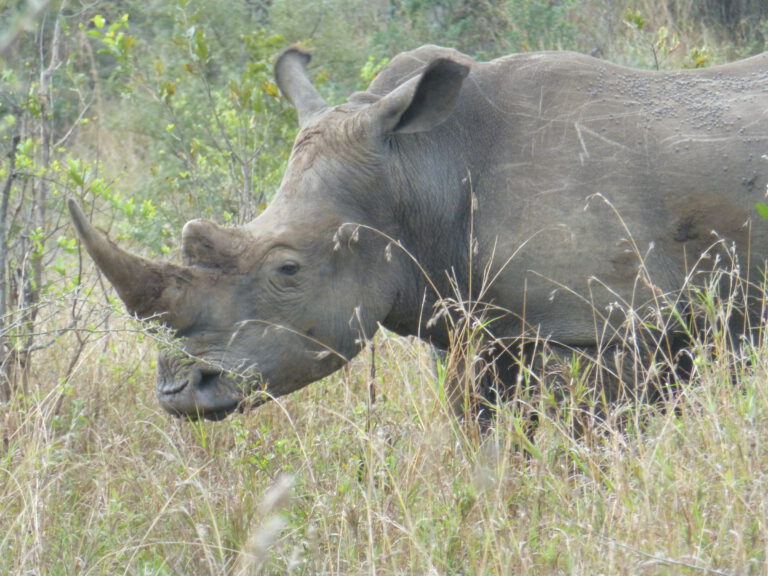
(205, 392)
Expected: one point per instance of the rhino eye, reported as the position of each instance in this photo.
(289, 268)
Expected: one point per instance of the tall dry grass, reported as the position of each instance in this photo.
(95, 479)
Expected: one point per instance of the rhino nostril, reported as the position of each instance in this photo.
(204, 377)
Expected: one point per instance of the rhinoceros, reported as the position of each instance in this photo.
(560, 195)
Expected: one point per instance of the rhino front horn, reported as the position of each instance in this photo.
(148, 288)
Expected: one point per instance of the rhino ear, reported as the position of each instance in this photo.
(423, 102)
(206, 245)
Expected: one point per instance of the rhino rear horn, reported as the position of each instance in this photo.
(207, 245)
(291, 78)
(148, 288)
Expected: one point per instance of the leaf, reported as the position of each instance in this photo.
(634, 19)
(76, 172)
(200, 48)
(167, 91)
(762, 210)
(270, 89)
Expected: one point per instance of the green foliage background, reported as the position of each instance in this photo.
(168, 111)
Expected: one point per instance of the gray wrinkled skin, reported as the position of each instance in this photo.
(574, 175)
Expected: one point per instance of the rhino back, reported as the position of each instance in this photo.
(596, 184)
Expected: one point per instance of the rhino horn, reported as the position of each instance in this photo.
(207, 245)
(291, 78)
(148, 288)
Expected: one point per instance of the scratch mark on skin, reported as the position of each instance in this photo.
(564, 187)
(545, 120)
(517, 167)
(505, 114)
(582, 128)
(583, 156)
(695, 139)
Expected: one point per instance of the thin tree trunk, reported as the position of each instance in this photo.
(32, 269)
(5, 383)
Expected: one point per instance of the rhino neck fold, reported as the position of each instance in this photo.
(431, 225)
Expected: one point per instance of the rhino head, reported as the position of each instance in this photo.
(264, 309)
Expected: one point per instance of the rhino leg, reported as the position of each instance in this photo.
(575, 385)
